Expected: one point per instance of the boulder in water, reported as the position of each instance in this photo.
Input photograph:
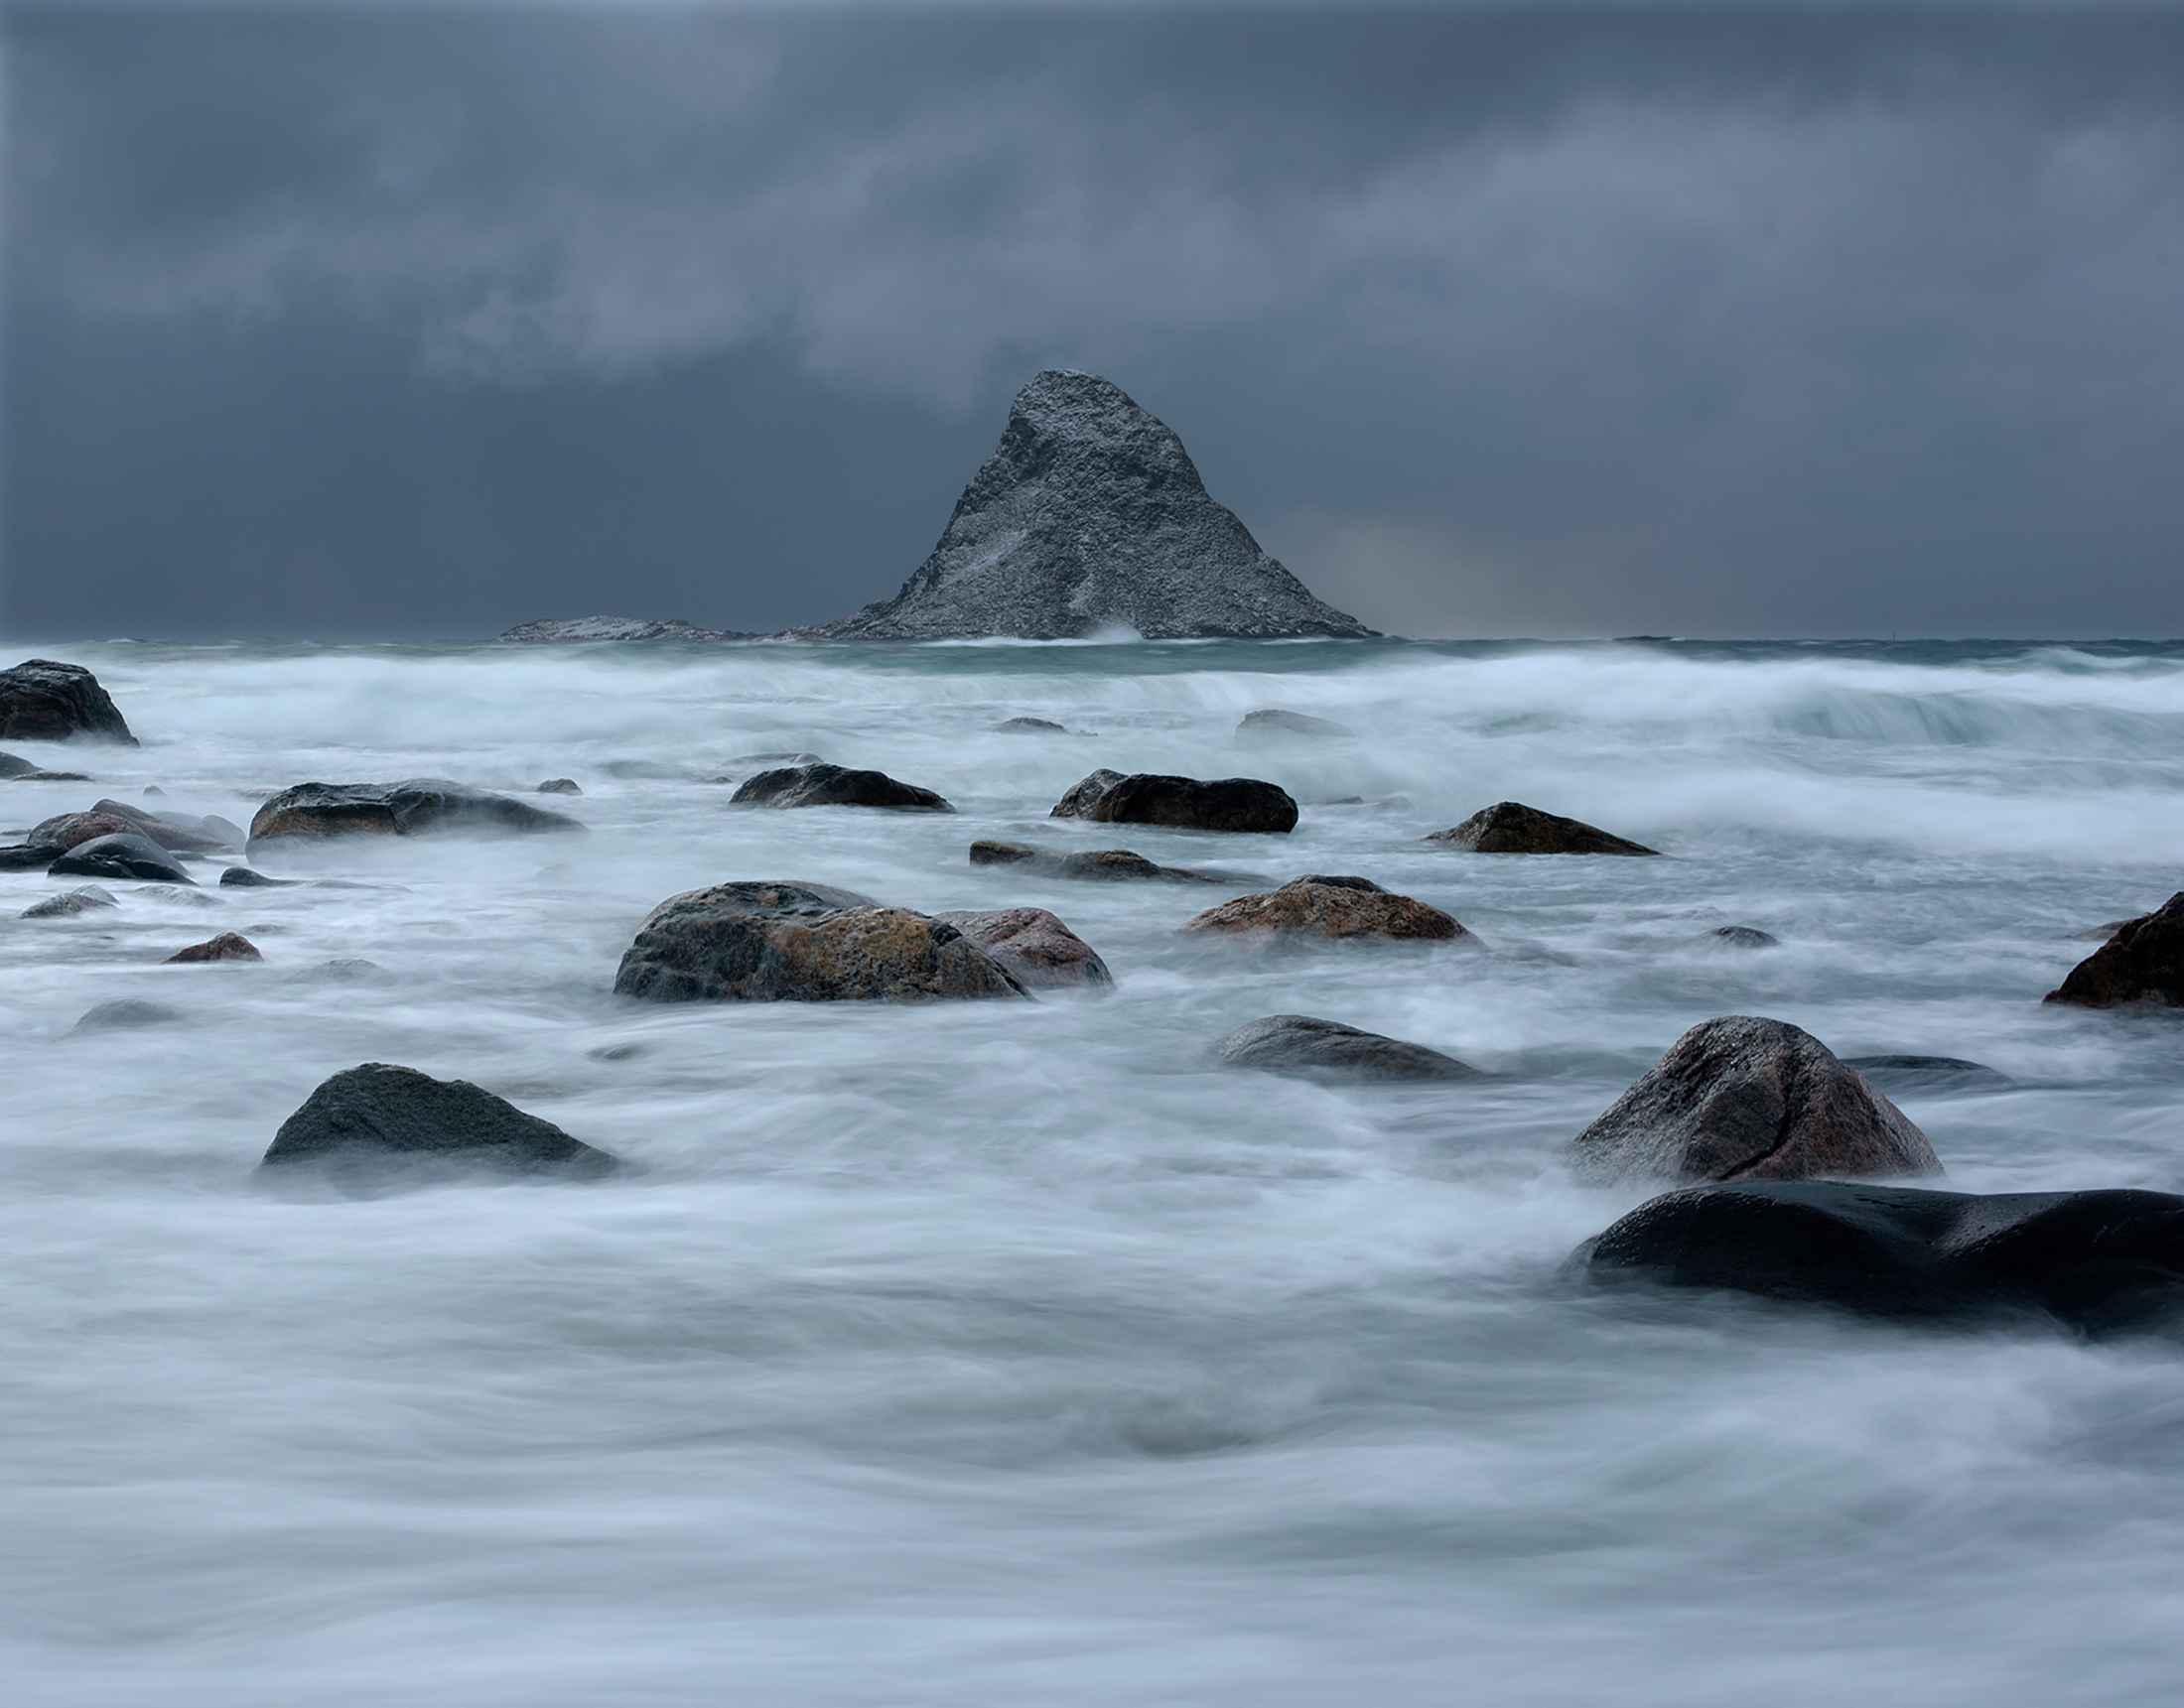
(86, 899)
(124, 853)
(373, 1115)
(1329, 908)
(29, 856)
(1034, 946)
(559, 786)
(1107, 866)
(1271, 722)
(801, 943)
(201, 836)
(1510, 826)
(2100, 1262)
(124, 1015)
(835, 786)
(1028, 726)
(1740, 937)
(1306, 1049)
(1187, 803)
(41, 701)
(69, 829)
(2143, 961)
(16, 770)
(552, 630)
(242, 878)
(228, 946)
(1089, 518)
(314, 812)
(1748, 1098)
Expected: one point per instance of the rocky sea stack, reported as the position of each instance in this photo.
(1088, 517)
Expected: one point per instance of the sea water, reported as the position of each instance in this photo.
(1013, 1353)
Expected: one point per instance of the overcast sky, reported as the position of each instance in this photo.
(1759, 319)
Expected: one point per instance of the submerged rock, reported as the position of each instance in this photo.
(1740, 937)
(375, 1114)
(203, 835)
(314, 812)
(2098, 1261)
(1089, 516)
(86, 899)
(559, 786)
(1188, 803)
(41, 701)
(1749, 1098)
(2143, 961)
(1027, 727)
(228, 946)
(1034, 946)
(16, 770)
(70, 830)
(29, 856)
(1510, 826)
(1301, 1046)
(124, 1015)
(801, 943)
(1275, 723)
(574, 629)
(1330, 908)
(242, 878)
(835, 786)
(1928, 1073)
(1100, 866)
(123, 854)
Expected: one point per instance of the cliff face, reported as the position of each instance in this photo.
(1089, 516)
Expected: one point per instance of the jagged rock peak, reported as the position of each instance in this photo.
(1089, 518)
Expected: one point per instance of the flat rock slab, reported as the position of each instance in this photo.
(123, 854)
(1510, 826)
(778, 942)
(228, 946)
(2100, 1262)
(1028, 726)
(315, 812)
(1098, 866)
(86, 899)
(44, 701)
(1331, 908)
(1928, 1073)
(1306, 1048)
(835, 786)
(2143, 961)
(1036, 947)
(377, 1115)
(1743, 1097)
(1185, 803)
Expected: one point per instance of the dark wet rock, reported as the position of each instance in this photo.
(15, 769)
(178, 835)
(2143, 961)
(1036, 948)
(1027, 727)
(1188, 803)
(228, 946)
(125, 1015)
(559, 786)
(242, 878)
(12, 766)
(1928, 1073)
(124, 853)
(86, 899)
(1090, 516)
(41, 701)
(1109, 865)
(1301, 1046)
(68, 829)
(313, 812)
(151, 789)
(1508, 827)
(1741, 937)
(551, 630)
(1748, 1098)
(1276, 724)
(29, 856)
(2101, 1262)
(1329, 908)
(835, 786)
(801, 943)
(377, 1115)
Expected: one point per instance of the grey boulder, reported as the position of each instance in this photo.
(43, 701)
(1185, 803)
(1510, 826)
(317, 812)
(1748, 1098)
(1306, 1049)
(1273, 722)
(83, 899)
(375, 1117)
(835, 786)
(124, 853)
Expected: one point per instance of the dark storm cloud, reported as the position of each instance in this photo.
(1750, 319)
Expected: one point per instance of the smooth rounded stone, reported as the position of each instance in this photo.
(777, 942)
(151, 789)
(68, 829)
(1112, 865)
(1271, 722)
(12, 765)
(14, 768)
(1028, 726)
(242, 878)
(1329, 908)
(1928, 1073)
(2143, 961)
(41, 701)
(84, 898)
(179, 894)
(1036, 948)
(178, 835)
(1306, 1049)
(1748, 1098)
(559, 786)
(124, 1015)
(314, 812)
(2100, 1262)
(228, 946)
(1740, 937)
(1189, 803)
(377, 1115)
(1510, 826)
(835, 786)
(124, 853)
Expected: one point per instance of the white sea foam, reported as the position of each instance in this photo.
(998, 1354)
